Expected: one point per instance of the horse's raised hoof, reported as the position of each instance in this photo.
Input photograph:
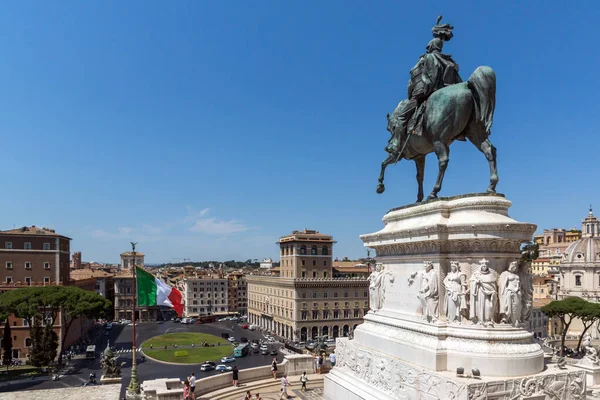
(431, 197)
(490, 190)
(380, 188)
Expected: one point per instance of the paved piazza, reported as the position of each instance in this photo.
(120, 337)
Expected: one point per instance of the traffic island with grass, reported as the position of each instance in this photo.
(187, 348)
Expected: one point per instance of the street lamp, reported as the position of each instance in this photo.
(133, 390)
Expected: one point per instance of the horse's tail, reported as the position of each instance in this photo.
(482, 84)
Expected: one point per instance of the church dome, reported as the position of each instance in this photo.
(586, 249)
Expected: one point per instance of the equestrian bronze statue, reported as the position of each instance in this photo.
(439, 110)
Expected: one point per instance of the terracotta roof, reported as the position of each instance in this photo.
(353, 264)
(32, 231)
(352, 269)
(78, 274)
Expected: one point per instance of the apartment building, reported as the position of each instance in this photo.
(306, 300)
(34, 256)
(238, 293)
(205, 295)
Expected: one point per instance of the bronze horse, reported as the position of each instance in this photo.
(455, 112)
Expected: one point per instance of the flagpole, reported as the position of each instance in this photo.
(133, 390)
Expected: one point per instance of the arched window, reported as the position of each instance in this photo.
(303, 249)
(325, 251)
(313, 251)
(588, 228)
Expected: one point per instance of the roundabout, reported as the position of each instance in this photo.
(186, 348)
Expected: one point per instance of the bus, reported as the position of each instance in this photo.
(90, 352)
(241, 350)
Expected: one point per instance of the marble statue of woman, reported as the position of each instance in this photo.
(527, 285)
(429, 293)
(484, 295)
(455, 283)
(511, 295)
(377, 286)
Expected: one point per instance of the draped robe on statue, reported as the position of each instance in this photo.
(484, 296)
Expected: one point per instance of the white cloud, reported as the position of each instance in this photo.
(213, 226)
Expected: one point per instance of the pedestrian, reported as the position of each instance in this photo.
(317, 364)
(186, 390)
(303, 379)
(332, 358)
(258, 397)
(235, 375)
(248, 396)
(274, 368)
(284, 384)
(320, 364)
(192, 386)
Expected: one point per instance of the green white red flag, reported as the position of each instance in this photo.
(151, 291)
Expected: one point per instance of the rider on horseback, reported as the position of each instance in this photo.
(433, 71)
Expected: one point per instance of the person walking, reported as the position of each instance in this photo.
(284, 384)
(192, 386)
(303, 380)
(274, 368)
(186, 390)
(235, 375)
(332, 358)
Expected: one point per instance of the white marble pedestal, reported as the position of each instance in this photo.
(408, 347)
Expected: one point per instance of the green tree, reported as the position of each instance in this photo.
(588, 316)
(565, 310)
(7, 345)
(46, 303)
(49, 344)
(36, 351)
(529, 252)
(79, 303)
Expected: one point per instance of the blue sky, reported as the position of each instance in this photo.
(206, 130)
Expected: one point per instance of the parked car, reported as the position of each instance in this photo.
(274, 352)
(264, 352)
(252, 327)
(224, 335)
(224, 368)
(207, 367)
(330, 342)
(231, 339)
(244, 326)
(244, 340)
(227, 359)
(254, 345)
(264, 347)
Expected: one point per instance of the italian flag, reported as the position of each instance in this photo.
(151, 291)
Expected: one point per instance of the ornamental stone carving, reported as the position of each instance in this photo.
(398, 379)
(484, 294)
(429, 293)
(378, 281)
(455, 284)
(591, 354)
